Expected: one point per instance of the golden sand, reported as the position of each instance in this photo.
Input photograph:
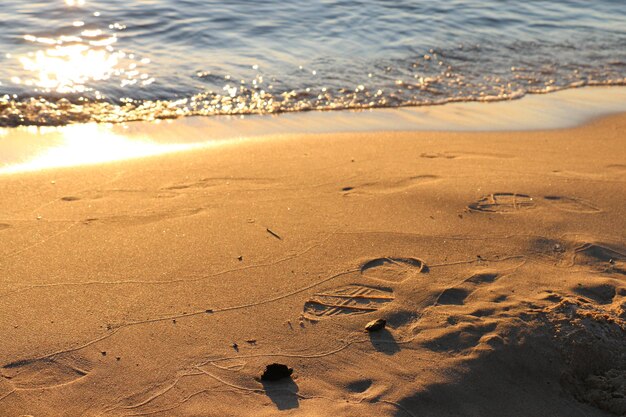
(164, 286)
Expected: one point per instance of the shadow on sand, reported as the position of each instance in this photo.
(383, 341)
(283, 393)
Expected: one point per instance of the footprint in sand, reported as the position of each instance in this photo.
(201, 183)
(359, 385)
(390, 187)
(617, 168)
(144, 218)
(348, 300)
(503, 203)
(362, 299)
(600, 258)
(70, 198)
(458, 155)
(393, 269)
(600, 293)
(216, 182)
(438, 155)
(513, 202)
(571, 204)
(456, 295)
(462, 337)
(44, 373)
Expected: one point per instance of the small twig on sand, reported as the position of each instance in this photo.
(273, 234)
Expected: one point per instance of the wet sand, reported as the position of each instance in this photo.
(164, 286)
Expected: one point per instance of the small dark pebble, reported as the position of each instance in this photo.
(236, 347)
(118, 358)
(276, 371)
(240, 258)
(251, 341)
(208, 311)
(376, 325)
(103, 353)
(347, 188)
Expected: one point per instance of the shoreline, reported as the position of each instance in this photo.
(26, 149)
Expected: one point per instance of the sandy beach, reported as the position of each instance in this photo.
(164, 286)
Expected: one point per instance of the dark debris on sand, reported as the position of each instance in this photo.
(276, 371)
(376, 325)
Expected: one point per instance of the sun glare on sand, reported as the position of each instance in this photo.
(87, 144)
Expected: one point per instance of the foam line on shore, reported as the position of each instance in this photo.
(27, 149)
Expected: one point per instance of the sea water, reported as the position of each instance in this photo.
(65, 61)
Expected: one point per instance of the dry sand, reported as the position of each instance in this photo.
(164, 286)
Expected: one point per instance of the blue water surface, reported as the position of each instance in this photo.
(111, 60)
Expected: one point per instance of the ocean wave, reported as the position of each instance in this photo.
(72, 61)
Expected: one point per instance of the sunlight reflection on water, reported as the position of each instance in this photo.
(67, 61)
